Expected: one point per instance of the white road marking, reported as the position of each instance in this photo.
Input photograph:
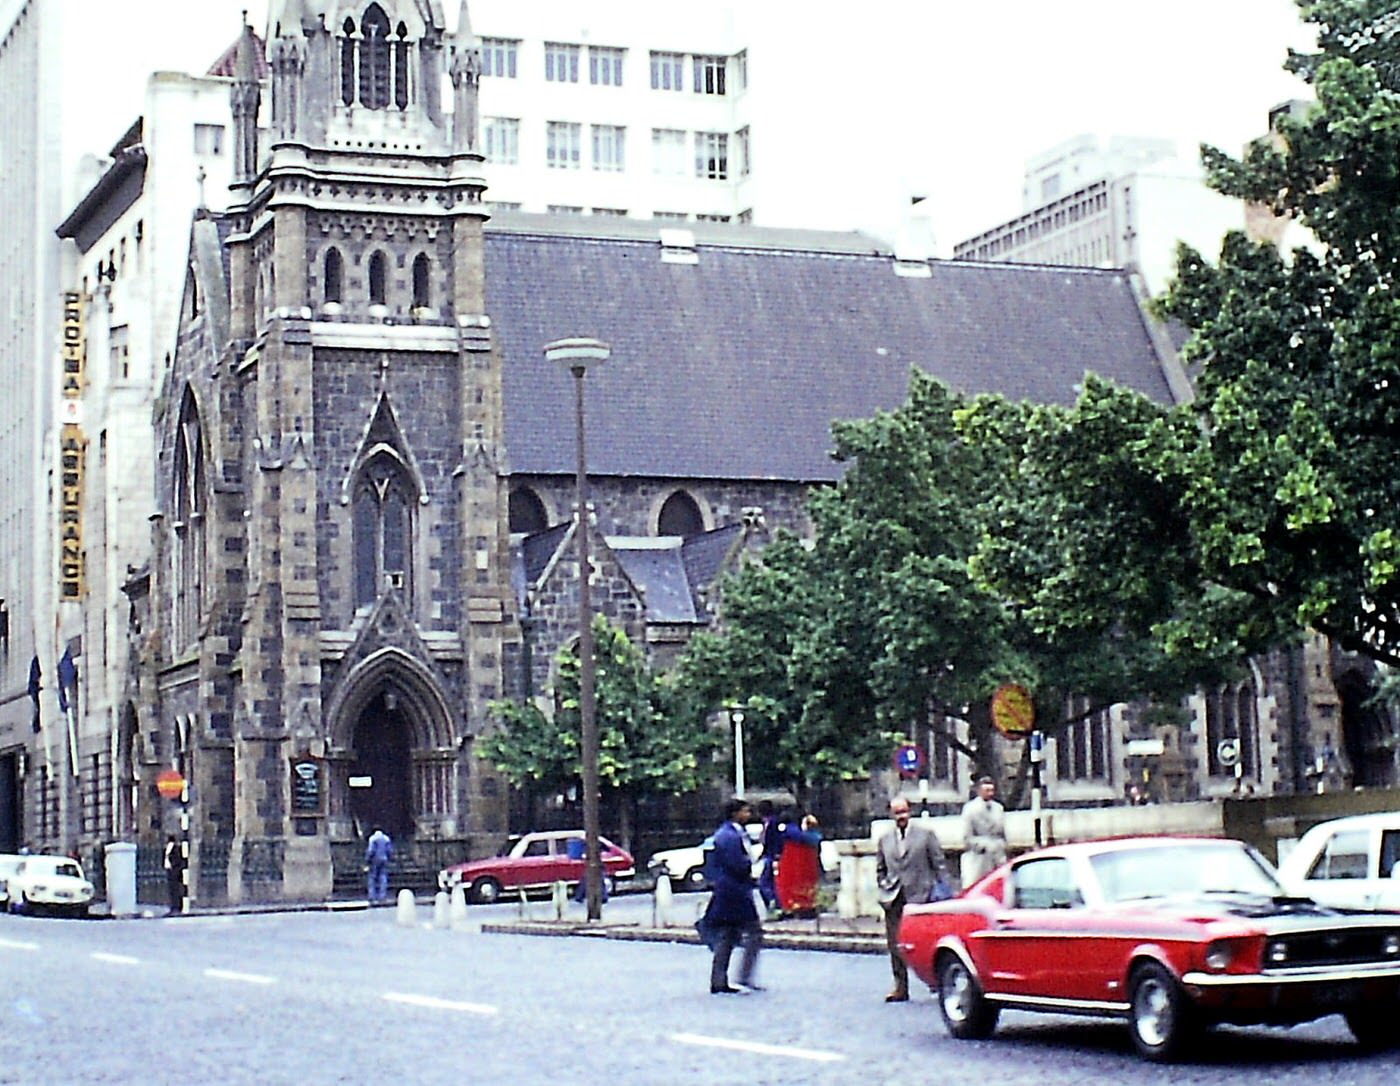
(115, 959)
(246, 978)
(15, 944)
(814, 1054)
(439, 1004)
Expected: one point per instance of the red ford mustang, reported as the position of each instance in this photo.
(1173, 934)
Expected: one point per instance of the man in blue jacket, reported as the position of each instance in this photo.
(731, 915)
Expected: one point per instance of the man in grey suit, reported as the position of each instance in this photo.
(909, 861)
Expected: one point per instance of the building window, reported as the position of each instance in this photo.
(712, 155)
(347, 62)
(422, 293)
(667, 71)
(374, 58)
(333, 280)
(668, 152)
(189, 527)
(610, 212)
(741, 68)
(526, 512)
(745, 216)
(505, 205)
(608, 144)
(378, 276)
(1081, 749)
(709, 75)
(670, 216)
(701, 216)
(745, 151)
(401, 66)
(562, 139)
(208, 139)
(383, 530)
(680, 515)
(120, 353)
(502, 140)
(605, 66)
(560, 62)
(498, 57)
(564, 209)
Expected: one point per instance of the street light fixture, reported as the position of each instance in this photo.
(736, 717)
(576, 355)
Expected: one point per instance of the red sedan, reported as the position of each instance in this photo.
(1172, 934)
(535, 862)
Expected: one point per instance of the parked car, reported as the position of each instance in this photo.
(8, 864)
(1172, 934)
(48, 884)
(1348, 863)
(536, 861)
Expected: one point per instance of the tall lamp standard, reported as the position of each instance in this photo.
(736, 717)
(577, 355)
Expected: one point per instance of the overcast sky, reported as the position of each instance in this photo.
(966, 90)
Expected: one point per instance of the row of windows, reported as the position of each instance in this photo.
(333, 279)
(1042, 223)
(674, 152)
(563, 63)
(374, 61)
(745, 216)
(680, 514)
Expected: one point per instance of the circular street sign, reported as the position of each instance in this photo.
(1227, 752)
(908, 760)
(170, 784)
(1013, 711)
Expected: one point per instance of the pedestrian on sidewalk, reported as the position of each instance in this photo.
(378, 853)
(984, 832)
(800, 869)
(910, 870)
(772, 849)
(731, 916)
(175, 874)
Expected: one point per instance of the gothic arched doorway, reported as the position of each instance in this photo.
(381, 772)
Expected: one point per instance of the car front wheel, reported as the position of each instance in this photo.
(486, 891)
(1373, 1026)
(1162, 1019)
(965, 1010)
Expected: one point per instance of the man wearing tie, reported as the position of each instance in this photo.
(909, 861)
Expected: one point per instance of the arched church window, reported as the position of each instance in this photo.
(334, 275)
(382, 521)
(422, 294)
(377, 277)
(347, 63)
(401, 67)
(189, 506)
(680, 515)
(374, 58)
(525, 511)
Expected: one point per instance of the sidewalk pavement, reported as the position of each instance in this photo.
(854, 935)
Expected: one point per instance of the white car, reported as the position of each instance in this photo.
(8, 864)
(1348, 863)
(49, 884)
(686, 865)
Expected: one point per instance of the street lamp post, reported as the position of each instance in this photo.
(736, 717)
(577, 355)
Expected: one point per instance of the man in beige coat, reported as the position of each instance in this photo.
(984, 833)
(909, 862)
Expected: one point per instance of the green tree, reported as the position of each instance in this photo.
(651, 740)
(1292, 498)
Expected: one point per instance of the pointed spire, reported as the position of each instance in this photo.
(466, 74)
(244, 98)
(245, 65)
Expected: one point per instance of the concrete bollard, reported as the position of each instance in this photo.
(661, 901)
(441, 919)
(406, 909)
(457, 910)
(560, 896)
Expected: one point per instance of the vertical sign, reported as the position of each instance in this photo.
(70, 502)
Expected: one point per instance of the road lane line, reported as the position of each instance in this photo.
(115, 959)
(439, 1004)
(15, 944)
(814, 1054)
(246, 978)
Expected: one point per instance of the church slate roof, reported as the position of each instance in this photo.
(660, 574)
(735, 366)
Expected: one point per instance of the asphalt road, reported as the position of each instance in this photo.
(354, 998)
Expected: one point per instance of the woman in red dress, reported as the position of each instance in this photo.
(799, 865)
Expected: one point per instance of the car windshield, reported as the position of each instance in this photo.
(68, 868)
(1158, 871)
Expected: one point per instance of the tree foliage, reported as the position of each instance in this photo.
(1293, 498)
(651, 739)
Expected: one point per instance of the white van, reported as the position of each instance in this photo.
(1349, 863)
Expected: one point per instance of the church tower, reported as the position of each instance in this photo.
(375, 607)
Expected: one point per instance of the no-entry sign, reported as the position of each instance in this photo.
(170, 784)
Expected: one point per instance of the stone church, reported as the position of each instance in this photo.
(365, 463)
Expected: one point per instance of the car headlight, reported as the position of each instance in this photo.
(1219, 956)
(1276, 953)
(1390, 946)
